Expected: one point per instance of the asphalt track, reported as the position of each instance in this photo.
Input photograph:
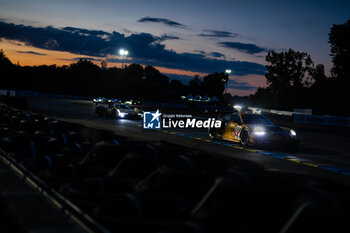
(321, 154)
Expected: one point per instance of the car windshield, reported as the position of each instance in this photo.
(256, 119)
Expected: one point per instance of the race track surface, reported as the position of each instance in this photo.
(321, 154)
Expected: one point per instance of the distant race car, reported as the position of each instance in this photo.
(103, 100)
(99, 100)
(252, 129)
(111, 101)
(117, 111)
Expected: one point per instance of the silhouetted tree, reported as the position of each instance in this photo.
(288, 69)
(7, 69)
(228, 99)
(320, 91)
(177, 89)
(214, 84)
(194, 85)
(4, 61)
(84, 65)
(104, 65)
(134, 72)
(318, 76)
(339, 38)
(287, 73)
(154, 76)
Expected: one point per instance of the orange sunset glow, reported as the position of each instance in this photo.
(18, 52)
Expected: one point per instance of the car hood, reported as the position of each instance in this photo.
(273, 130)
(129, 111)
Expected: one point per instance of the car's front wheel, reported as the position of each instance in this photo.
(213, 134)
(245, 137)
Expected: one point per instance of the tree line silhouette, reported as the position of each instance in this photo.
(84, 78)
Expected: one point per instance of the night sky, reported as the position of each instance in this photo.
(181, 38)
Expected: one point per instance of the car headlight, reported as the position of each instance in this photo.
(259, 131)
(121, 114)
(293, 133)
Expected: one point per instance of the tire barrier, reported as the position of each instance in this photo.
(126, 185)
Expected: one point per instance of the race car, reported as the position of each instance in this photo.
(100, 100)
(117, 111)
(103, 100)
(252, 129)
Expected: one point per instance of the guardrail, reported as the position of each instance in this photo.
(281, 112)
(321, 120)
(8, 92)
(38, 94)
(304, 116)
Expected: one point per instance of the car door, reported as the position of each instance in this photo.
(224, 121)
(233, 128)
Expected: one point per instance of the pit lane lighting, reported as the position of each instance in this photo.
(293, 133)
(225, 80)
(123, 52)
(259, 131)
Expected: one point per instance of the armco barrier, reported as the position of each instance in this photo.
(273, 111)
(26, 93)
(307, 118)
(303, 110)
(7, 92)
(281, 112)
(321, 120)
(38, 94)
(18, 93)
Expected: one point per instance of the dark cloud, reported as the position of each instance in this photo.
(143, 48)
(237, 85)
(87, 32)
(61, 39)
(216, 54)
(168, 37)
(167, 22)
(243, 47)
(32, 52)
(200, 51)
(13, 42)
(81, 58)
(211, 54)
(260, 56)
(217, 34)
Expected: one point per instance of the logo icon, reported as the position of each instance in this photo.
(151, 120)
